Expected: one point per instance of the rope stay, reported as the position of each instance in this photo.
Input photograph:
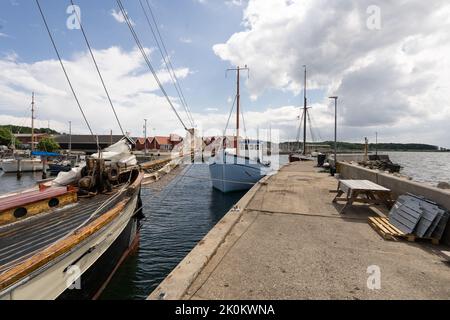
(243, 122)
(98, 71)
(316, 127)
(144, 54)
(65, 72)
(310, 128)
(229, 116)
(166, 59)
(300, 127)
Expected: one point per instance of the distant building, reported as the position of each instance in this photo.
(158, 143)
(87, 143)
(141, 143)
(25, 138)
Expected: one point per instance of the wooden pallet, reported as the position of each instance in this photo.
(389, 232)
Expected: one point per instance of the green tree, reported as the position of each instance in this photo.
(6, 137)
(48, 144)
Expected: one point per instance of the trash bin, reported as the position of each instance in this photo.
(321, 159)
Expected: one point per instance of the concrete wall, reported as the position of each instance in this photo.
(398, 186)
(346, 157)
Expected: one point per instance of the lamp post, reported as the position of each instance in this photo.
(335, 131)
(145, 136)
(376, 143)
(70, 137)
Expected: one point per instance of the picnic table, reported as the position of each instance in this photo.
(374, 193)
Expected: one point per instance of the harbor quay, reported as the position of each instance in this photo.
(286, 239)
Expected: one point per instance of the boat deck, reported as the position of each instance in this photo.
(22, 240)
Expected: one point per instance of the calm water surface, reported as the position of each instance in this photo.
(10, 183)
(428, 167)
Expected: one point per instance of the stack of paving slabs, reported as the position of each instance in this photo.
(418, 216)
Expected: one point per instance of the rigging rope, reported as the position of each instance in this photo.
(144, 54)
(310, 127)
(166, 60)
(229, 116)
(98, 70)
(243, 122)
(65, 72)
(300, 127)
(316, 127)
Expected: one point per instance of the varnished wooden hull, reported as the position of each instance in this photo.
(66, 271)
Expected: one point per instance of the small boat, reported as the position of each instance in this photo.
(230, 172)
(56, 168)
(65, 165)
(294, 157)
(26, 165)
(65, 239)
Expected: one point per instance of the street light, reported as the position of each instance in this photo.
(376, 144)
(145, 136)
(70, 137)
(335, 131)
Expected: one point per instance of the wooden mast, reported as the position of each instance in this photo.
(32, 122)
(305, 110)
(238, 103)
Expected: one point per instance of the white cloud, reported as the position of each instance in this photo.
(3, 35)
(132, 87)
(393, 79)
(118, 16)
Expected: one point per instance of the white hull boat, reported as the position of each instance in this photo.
(234, 173)
(26, 165)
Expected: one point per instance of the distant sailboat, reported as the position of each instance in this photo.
(232, 172)
(303, 155)
(14, 165)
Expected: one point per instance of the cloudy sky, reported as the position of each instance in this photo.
(387, 61)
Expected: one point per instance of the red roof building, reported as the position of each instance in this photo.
(141, 143)
(160, 143)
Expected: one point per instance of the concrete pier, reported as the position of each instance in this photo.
(286, 240)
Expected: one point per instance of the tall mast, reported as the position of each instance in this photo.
(32, 122)
(238, 101)
(304, 116)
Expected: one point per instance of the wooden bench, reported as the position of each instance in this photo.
(374, 193)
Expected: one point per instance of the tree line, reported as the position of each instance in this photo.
(350, 146)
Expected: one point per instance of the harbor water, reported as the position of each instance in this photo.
(427, 167)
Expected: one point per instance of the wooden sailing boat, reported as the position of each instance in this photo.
(230, 171)
(65, 239)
